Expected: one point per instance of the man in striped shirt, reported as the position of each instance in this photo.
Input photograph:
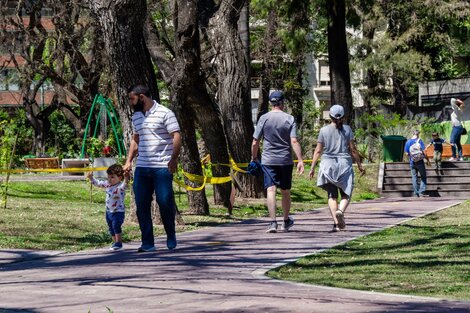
(156, 141)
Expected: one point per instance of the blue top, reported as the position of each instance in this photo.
(438, 144)
(408, 145)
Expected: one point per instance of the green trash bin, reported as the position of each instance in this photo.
(394, 148)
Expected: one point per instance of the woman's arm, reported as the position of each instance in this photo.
(316, 155)
(356, 157)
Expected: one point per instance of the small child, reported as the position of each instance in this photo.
(116, 185)
(438, 143)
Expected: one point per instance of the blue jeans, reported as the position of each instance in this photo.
(148, 180)
(455, 136)
(418, 167)
(114, 221)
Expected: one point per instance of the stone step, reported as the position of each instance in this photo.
(453, 180)
(454, 172)
(458, 194)
(408, 185)
(397, 180)
(445, 165)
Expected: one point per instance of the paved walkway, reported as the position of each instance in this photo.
(218, 269)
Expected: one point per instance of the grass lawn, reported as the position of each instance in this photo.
(428, 256)
(58, 215)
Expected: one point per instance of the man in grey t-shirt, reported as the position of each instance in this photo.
(279, 133)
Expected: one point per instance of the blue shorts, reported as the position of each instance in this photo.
(115, 221)
(278, 175)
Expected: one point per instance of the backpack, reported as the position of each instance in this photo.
(416, 153)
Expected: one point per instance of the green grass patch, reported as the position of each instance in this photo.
(429, 256)
(58, 215)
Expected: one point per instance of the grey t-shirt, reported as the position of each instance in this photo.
(335, 142)
(276, 128)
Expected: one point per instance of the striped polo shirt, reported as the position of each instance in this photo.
(154, 128)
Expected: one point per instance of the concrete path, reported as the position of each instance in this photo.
(218, 269)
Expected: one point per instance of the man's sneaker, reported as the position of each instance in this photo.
(288, 224)
(340, 218)
(116, 246)
(171, 242)
(272, 227)
(460, 159)
(335, 228)
(146, 249)
(423, 195)
(453, 159)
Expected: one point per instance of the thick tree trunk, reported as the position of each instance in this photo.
(338, 57)
(128, 58)
(267, 58)
(233, 88)
(129, 61)
(190, 160)
(186, 82)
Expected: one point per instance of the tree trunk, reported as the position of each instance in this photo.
(191, 100)
(338, 57)
(270, 39)
(233, 88)
(128, 58)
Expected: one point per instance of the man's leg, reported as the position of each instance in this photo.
(414, 179)
(422, 173)
(163, 180)
(271, 202)
(286, 203)
(143, 191)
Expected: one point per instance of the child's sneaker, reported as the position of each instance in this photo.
(287, 224)
(116, 246)
(272, 227)
(335, 228)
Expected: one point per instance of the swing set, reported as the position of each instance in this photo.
(106, 110)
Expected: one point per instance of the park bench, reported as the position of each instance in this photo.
(447, 151)
(41, 163)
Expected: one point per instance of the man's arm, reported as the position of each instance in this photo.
(173, 164)
(133, 149)
(298, 152)
(254, 149)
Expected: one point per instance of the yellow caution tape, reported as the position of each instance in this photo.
(54, 170)
(201, 179)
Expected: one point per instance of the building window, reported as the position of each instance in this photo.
(324, 70)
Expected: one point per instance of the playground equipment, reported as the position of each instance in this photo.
(106, 109)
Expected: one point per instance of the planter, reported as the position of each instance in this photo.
(102, 162)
